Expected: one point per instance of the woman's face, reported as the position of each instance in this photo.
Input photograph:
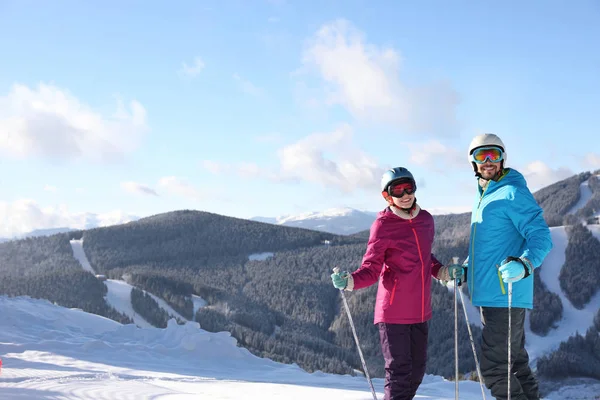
(405, 201)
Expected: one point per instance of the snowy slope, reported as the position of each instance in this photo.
(50, 352)
(573, 320)
(119, 292)
(79, 254)
(53, 352)
(119, 298)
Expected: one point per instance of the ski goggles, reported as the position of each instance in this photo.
(400, 189)
(483, 154)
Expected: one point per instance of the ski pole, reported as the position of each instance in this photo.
(362, 359)
(509, 337)
(462, 300)
(455, 335)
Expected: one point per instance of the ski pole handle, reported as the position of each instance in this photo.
(337, 270)
(457, 281)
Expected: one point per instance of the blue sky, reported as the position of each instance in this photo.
(266, 108)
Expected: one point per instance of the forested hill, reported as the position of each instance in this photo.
(193, 239)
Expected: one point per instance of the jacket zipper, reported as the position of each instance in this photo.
(393, 291)
(473, 248)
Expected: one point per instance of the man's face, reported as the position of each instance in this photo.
(489, 170)
(488, 160)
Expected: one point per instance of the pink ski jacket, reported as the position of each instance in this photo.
(399, 256)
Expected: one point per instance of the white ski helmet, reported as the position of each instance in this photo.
(486, 139)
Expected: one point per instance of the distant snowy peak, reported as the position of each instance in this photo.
(92, 220)
(46, 232)
(79, 221)
(327, 214)
(341, 221)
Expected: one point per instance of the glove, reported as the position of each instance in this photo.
(512, 270)
(340, 279)
(456, 271)
(451, 272)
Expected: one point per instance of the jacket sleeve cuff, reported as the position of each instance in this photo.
(350, 285)
(528, 266)
(443, 274)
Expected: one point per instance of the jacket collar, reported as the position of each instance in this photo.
(403, 214)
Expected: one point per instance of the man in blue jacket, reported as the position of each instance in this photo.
(509, 239)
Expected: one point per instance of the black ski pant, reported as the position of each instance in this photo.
(494, 355)
(404, 349)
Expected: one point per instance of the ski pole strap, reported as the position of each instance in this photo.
(526, 264)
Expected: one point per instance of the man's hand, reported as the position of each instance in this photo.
(513, 270)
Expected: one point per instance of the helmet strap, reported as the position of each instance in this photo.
(391, 203)
(409, 210)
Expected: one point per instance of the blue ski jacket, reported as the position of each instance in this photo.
(506, 221)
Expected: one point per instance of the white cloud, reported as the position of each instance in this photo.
(50, 188)
(591, 161)
(249, 170)
(50, 122)
(365, 80)
(436, 155)
(243, 169)
(193, 70)
(25, 215)
(540, 175)
(329, 159)
(248, 87)
(138, 188)
(215, 167)
(180, 187)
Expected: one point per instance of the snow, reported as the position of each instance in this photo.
(341, 221)
(198, 302)
(573, 320)
(329, 213)
(79, 254)
(584, 197)
(51, 352)
(119, 292)
(259, 256)
(119, 297)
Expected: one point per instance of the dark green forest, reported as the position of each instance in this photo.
(560, 197)
(580, 277)
(283, 307)
(578, 356)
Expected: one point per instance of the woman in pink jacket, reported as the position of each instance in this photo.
(399, 257)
